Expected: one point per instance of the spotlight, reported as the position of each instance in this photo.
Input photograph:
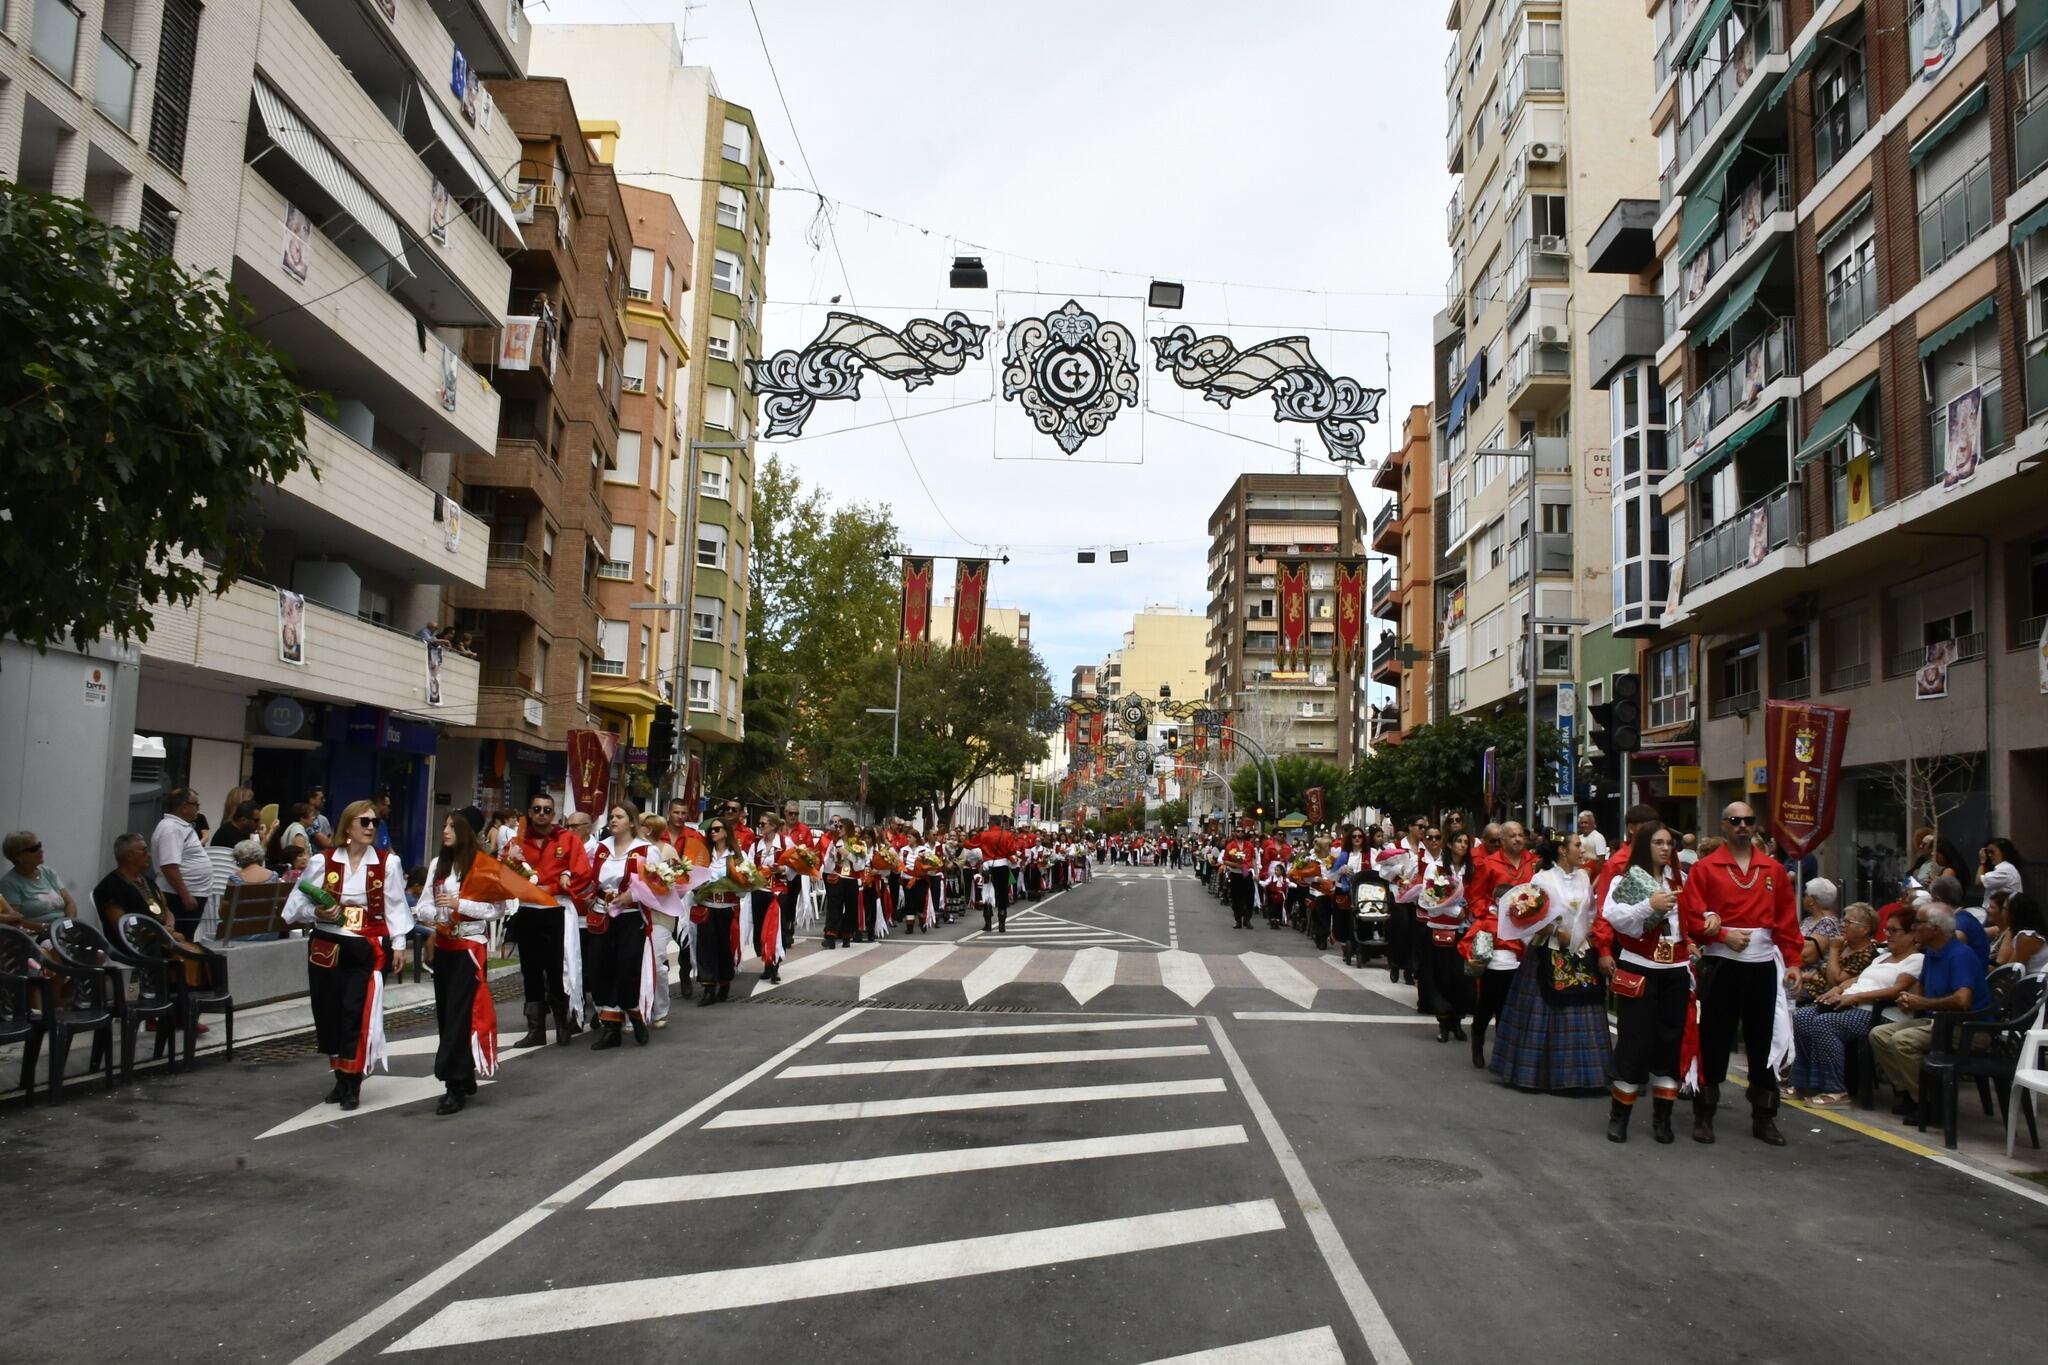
(1119, 556)
(968, 273)
(1084, 556)
(1163, 294)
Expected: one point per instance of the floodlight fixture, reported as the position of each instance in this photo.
(968, 273)
(1165, 294)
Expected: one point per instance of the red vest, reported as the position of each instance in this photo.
(373, 888)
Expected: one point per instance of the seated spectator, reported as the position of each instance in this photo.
(1998, 867)
(1852, 1006)
(34, 890)
(239, 823)
(1836, 960)
(1817, 919)
(1952, 981)
(1947, 891)
(131, 889)
(291, 837)
(249, 866)
(2024, 934)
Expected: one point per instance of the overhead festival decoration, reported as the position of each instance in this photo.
(913, 639)
(1293, 613)
(1351, 611)
(793, 383)
(1071, 371)
(970, 609)
(1303, 391)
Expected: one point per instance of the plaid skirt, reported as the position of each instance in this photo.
(1542, 1045)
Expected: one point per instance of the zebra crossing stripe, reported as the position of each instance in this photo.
(1186, 975)
(1002, 966)
(811, 964)
(1281, 977)
(918, 1035)
(890, 1066)
(1317, 1346)
(668, 1296)
(1092, 971)
(906, 966)
(960, 1104)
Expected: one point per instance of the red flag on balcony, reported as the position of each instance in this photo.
(970, 603)
(913, 639)
(1293, 614)
(1351, 613)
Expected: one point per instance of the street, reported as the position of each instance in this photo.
(1122, 1132)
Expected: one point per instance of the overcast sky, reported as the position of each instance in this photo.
(1291, 153)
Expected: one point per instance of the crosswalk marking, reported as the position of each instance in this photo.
(905, 966)
(1003, 966)
(898, 1065)
(1092, 971)
(667, 1296)
(1327, 1017)
(797, 969)
(388, 1091)
(1317, 1346)
(914, 1035)
(1185, 975)
(1036, 926)
(833, 1174)
(955, 1104)
(1281, 977)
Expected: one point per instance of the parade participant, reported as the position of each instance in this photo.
(621, 980)
(1738, 906)
(666, 930)
(1553, 1028)
(845, 859)
(354, 899)
(715, 908)
(875, 908)
(463, 1009)
(1651, 980)
(550, 941)
(1400, 863)
(998, 850)
(1239, 857)
(1321, 893)
(767, 843)
(1445, 990)
(1507, 864)
(1616, 862)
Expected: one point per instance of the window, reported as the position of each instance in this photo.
(1487, 549)
(547, 551)
(1795, 663)
(628, 460)
(640, 284)
(660, 372)
(1840, 112)
(711, 546)
(619, 554)
(753, 308)
(726, 272)
(1845, 636)
(158, 227)
(582, 679)
(1459, 496)
(1856, 463)
(1968, 364)
(1917, 37)
(707, 617)
(635, 368)
(703, 689)
(1671, 685)
(713, 476)
(653, 554)
(1489, 636)
(738, 141)
(1850, 265)
(611, 642)
(718, 407)
(646, 651)
(732, 207)
(176, 56)
(732, 698)
(1736, 678)
(1953, 186)
(604, 371)
(723, 339)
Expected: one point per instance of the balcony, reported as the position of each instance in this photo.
(493, 34)
(1553, 555)
(2037, 376)
(1537, 369)
(1383, 594)
(54, 41)
(1453, 62)
(1851, 303)
(113, 84)
(1744, 219)
(1454, 294)
(509, 703)
(1631, 331)
(348, 660)
(1547, 454)
(2030, 135)
(1385, 652)
(1737, 385)
(1454, 213)
(1539, 260)
(1956, 217)
(1454, 140)
(1384, 537)
(1765, 38)
(1990, 431)
(1905, 663)
(1737, 543)
(1625, 242)
(1540, 73)
(519, 583)
(1839, 127)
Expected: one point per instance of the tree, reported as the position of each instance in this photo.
(1173, 814)
(1440, 766)
(1297, 773)
(140, 418)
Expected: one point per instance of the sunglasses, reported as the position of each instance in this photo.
(1739, 819)
(369, 820)
(540, 810)
(714, 829)
(33, 848)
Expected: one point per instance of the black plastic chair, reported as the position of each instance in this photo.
(154, 1002)
(1985, 1049)
(79, 956)
(142, 937)
(24, 1001)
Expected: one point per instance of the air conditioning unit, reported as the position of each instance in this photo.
(1550, 334)
(1546, 153)
(1551, 246)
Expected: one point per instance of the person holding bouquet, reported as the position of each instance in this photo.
(550, 941)
(1652, 982)
(846, 858)
(1440, 904)
(619, 927)
(1553, 1028)
(463, 1009)
(715, 911)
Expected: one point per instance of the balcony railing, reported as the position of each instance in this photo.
(2030, 135)
(1454, 139)
(1383, 650)
(1851, 303)
(1539, 260)
(2029, 634)
(1545, 454)
(113, 86)
(1453, 62)
(1990, 432)
(1735, 542)
(54, 42)
(1738, 383)
(1845, 676)
(1454, 214)
(1532, 359)
(1383, 587)
(1906, 662)
(1553, 555)
(2037, 376)
(1735, 703)
(1382, 519)
(608, 668)
(1534, 73)
(1660, 64)
(620, 570)
(1956, 217)
(519, 554)
(1743, 218)
(1765, 38)
(1667, 185)
(1839, 127)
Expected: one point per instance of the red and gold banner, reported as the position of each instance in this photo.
(590, 768)
(1293, 614)
(913, 639)
(1351, 612)
(1095, 728)
(970, 608)
(1073, 731)
(1803, 746)
(1314, 797)
(1201, 739)
(1224, 742)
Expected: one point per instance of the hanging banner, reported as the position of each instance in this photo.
(298, 243)
(1938, 37)
(1201, 739)
(970, 601)
(1931, 682)
(1073, 731)
(1351, 613)
(1965, 436)
(1803, 747)
(1223, 742)
(435, 653)
(516, 341)
(1097, 724)
(450, 389)
(1293, 613)
(913, 636)
(441, 209)
(590, 768)
(1314, 797)
(291, 627)
(1567, 725)
(1489, 779)
(1858, 475)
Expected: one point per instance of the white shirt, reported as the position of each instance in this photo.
(475, 914)
(176, 844)
(611, 871)
(354, 890)
(1595, 844)
(1883, 974)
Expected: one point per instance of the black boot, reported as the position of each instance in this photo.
(1458, 1029)
(639, 1028)
(351, 1090)
(1763, 1110)
(608, 1036)
(1443, 1032)
(707, 996)
(688, 989)
(1478, 1044)
(536, 1025)
(724, 991)
(340, 1088)
(1703, 1106)
(1617, 1120)
(452, 1102)
(1660, 1121)
(565, 1027)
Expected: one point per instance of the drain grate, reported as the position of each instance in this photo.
(876, 1002)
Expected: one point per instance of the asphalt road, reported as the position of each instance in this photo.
(1125, 1177)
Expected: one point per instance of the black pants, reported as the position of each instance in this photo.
(872, 902)
(841, 897)
(538, 933)
(761, 899)
(339, 994)
(1491, 997)
(714, 944)
(1649, 1029)
(611, 963)
(999, 878)
(1736, 994)
(455, 987)
(1319, 915)
(1446, 990)
(1241, 898)
(1296, 901)
(1401, 938)
(789, 894)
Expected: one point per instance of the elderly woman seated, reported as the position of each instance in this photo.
(35, 896)
(1852, 1005)
(249, 865)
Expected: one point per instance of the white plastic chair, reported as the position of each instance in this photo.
(2030, 1077)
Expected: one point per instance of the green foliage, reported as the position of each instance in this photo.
(1297, 773)
(1440, 767)
(1173, 814)
(139, 418)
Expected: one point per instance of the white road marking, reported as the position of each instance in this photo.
(1281, 977)
(957, 1104)
(1317, 1346)
(668, 1296)
(975, 1061)
(1327, 1017)
(382, 1091)
(1172, 924)
(904, 966)
(1092, 972)
(817, 962)
(1186, 975)
(378, 1319)
(926, 1034)
(1358, 1296)
(826, 1175)
(1002, 966)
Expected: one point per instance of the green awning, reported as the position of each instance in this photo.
(1833, 419)
(1800, 62)
(1702, 212)
(1843, 222)
(1737, 303)
(1725, 452)
(2032, 223)
(1970, 318)
(2030, 30)
(1689, 55)
(1967, 107)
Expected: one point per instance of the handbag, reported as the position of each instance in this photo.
(596, 922)
(1442, 937)
(323, 952)
(1628, 983)
(699, 915)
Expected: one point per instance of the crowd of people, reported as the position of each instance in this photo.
(1693, 943)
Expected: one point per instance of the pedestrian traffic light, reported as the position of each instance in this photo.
(1605, 764)
(661, 738)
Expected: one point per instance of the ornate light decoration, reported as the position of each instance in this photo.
(1303, 391)
(792, 383)
(1071, 371)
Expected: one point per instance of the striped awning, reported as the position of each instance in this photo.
(1834, 419)
(1738, 302)
(292, 137)
(1695, 46)
(1725, 452)
(2030, 30)
(480, 179)
(1843, 222)
(1970, 318)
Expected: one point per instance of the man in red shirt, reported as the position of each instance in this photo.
(1738, 905)
(997, 847)
(552, 977)
(794, 829)
(1511, 865)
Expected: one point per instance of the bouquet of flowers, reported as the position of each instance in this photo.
(927, 866)
(663, 875)
(1303, 870)
(740, 878)
(1525, 905)
(1437, 888)
(885, 860)
(516, 860)
(798, 861)
(1236, 857)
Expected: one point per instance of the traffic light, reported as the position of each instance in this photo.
(661, 739)
(1606, 764)
(1627, 691)
(1172, 741)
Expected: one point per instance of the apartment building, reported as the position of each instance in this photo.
(634, 669)
(1402, 591)
(1545, 132)
(535, 619)
(316, 154)
(1165, 648)
(1830, 359)
(1317, 710)
(664, 126)
(1085, 684)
